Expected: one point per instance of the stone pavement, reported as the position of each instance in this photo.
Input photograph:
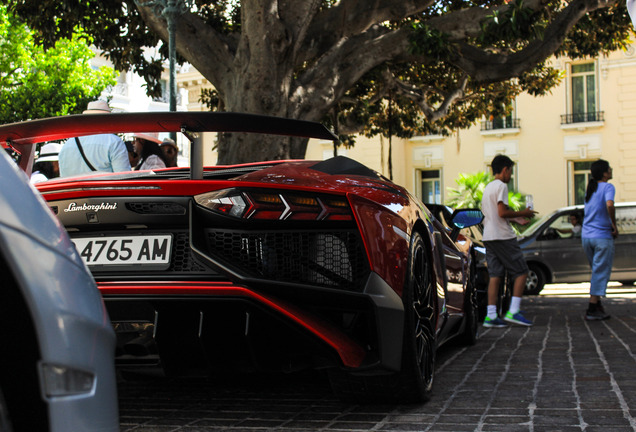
(562, 374)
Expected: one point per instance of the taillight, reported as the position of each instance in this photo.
(227, 202)
(276, 205)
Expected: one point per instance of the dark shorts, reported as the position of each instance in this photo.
(502, 255)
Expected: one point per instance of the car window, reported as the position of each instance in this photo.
(536, 225)
(562, 227)
(626, 220)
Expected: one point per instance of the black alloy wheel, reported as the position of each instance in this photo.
(415, 379)
(419, 298)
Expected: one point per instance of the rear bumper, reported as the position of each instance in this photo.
(212, 325)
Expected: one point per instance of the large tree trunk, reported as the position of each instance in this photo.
(265, 60)
(243, 148)
(258, 93)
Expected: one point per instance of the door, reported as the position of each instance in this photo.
(561, 250)
(624, 268)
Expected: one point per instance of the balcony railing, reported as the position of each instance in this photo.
(597, 116)
(501, 123)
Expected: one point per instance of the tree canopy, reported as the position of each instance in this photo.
(35, 83)
(363, 66)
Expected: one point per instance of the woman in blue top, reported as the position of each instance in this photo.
(599, 232)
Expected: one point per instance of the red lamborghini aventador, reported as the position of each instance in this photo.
(276, 265)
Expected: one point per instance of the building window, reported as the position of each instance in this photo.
(502, 121)
(583, 88)
(507, 122)
(584, 95)
(430, 186)
(579, 179)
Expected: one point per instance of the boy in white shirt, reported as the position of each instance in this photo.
(502, 250)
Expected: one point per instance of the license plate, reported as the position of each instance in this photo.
(125, 250)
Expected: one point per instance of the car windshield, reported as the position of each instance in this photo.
(536, 225)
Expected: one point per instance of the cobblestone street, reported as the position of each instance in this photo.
(563, 374)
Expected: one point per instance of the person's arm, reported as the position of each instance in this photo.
(612, 214)
(506, 213)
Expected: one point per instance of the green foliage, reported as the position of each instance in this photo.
(210, 98)
(429, 42)
(516, 24)
(115, 27)
(470, 190)
(600, 32)
(35, 83)
(504, 31)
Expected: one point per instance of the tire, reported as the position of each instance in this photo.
(536, 280)
(418, 352)
(414, 381)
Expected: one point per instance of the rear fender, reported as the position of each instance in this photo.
(386, 237)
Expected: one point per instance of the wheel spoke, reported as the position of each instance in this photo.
(424, 313)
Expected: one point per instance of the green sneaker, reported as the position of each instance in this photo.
(497, 322)
(517, 319)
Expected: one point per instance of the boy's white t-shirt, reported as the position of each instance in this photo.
(495, 227)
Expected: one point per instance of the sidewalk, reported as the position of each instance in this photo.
(562, 374)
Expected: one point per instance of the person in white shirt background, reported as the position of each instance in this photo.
(503, 254)
(103, 152)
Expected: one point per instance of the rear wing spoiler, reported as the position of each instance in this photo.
(22, 136)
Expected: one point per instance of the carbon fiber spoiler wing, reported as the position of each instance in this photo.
(21, 136)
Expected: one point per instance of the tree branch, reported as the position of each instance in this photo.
(466, 23)
(352, 17)
(484, 66)
(298, 18)
(340, 68)
(419, 96)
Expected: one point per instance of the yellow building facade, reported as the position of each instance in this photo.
(552, 139)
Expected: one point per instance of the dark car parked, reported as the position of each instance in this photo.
(275, 265)
(554, 253)
(444, 214)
